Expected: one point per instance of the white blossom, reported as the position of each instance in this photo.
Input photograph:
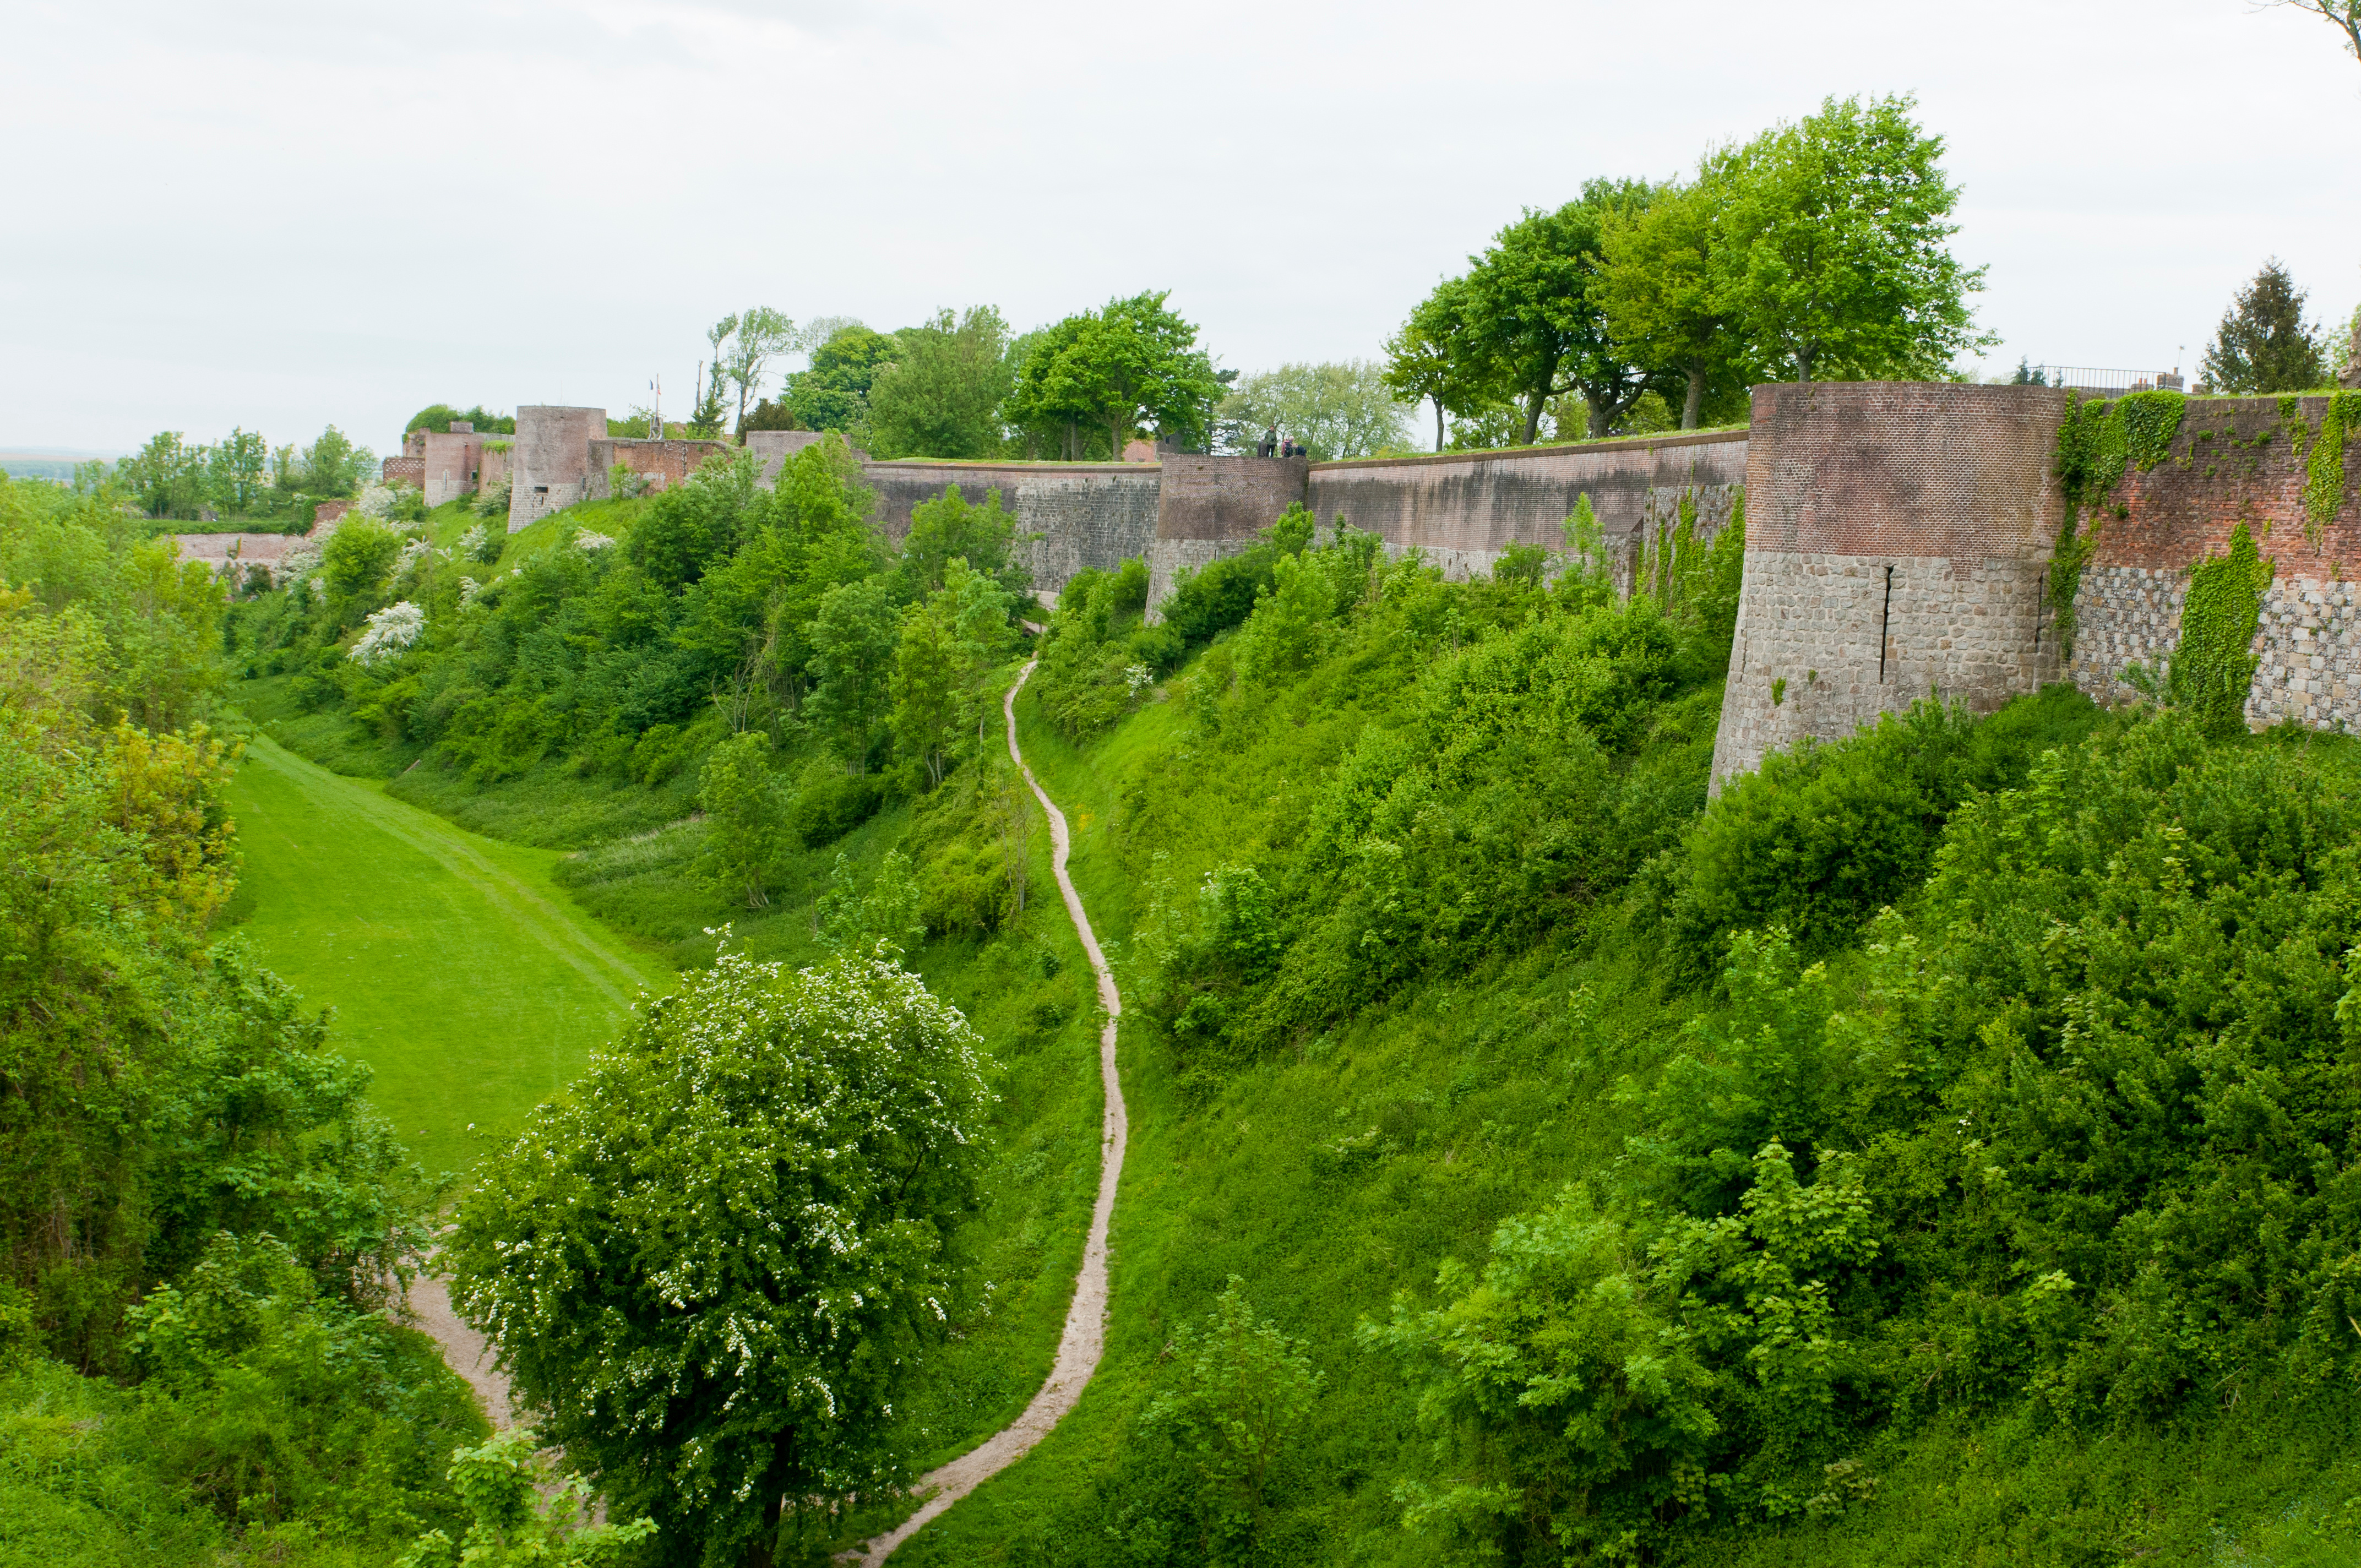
(391, 632)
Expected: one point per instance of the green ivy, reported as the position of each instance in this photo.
(2214, 664)
(2324, 484)
(2096, 441)
(2099, 439)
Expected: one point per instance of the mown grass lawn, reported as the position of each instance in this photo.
(457, 968)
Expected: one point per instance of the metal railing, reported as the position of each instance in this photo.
(2096, 383)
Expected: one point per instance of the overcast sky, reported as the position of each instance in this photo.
(282, 214)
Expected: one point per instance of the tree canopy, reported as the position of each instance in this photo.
(2264, 345)
(715, 1263)
(1131, 366)
(1332, 411)
(941, 395)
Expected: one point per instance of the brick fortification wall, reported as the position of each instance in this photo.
(450, 465)
(2232, 460)
(1463, 509)
(551, 459)
(1897, 545)
(1069, 515)
(410, 471)
(663, 463)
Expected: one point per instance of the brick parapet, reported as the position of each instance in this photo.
(410, 471)
(663, 463)
(1897, 546)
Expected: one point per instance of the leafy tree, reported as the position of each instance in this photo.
(758, 334)
(332, 465)
(941, 395)
(1044, 410)
(833, 393)
(715, 1263)
(521, 1515)
(1657, 285)
(1239, 1395)
(745, 822)
(950, 646)
(948, 527)
(1132, 363)
(2264, 345)
(1833, 257)
(353, 564)
(1332, 410)
(440, 417)
(238, 470)
(854, 637)
(166, 478)
(1535, 328)
(1433, 359)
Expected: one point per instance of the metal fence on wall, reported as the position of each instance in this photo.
(2092, 382)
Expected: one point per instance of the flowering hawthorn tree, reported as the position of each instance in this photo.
(713, 1265)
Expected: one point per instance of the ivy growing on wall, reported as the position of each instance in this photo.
(2323, 477)
(2097, 441)
(2214, 664)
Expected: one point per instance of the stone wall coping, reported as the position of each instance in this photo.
(1614, 443)
(942, 465)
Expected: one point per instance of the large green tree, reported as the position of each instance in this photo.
(1332, 411)
(1535, 316)
(1657, 284)
(941, 395)
(833, 392)
(758, 334)
(853, 636)
(1833, 257)
(1134, 364)
(714, 1263)
(2264, 345)
(1433, 360)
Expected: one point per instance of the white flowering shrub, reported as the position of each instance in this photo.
(302, 559)
(391, 634)
(469, 589)
(376, 500)
(711, 1264)
(586, 539)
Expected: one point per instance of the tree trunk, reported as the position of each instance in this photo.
(1693, 406)
(1438, 425)
(1533, 402)
(1803, 364)
(1599, 417)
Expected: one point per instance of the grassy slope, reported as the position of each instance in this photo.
(457, 968)
(1025, 987)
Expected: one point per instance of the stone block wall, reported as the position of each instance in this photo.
(663, 463)
(1070, 516)
(1211, 507)
(551, 459)
(1897, 546)
(2232, 460)
(1463, 509)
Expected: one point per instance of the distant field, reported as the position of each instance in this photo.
(469, 980)
(36, 466)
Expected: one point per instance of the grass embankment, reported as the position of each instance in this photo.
(458, 970)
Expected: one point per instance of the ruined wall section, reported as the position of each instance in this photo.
(551, 459)
(1897, 546)
(2233, 460)
(662, 464)
(450, 465)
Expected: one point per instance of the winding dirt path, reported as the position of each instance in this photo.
(1085, 1335)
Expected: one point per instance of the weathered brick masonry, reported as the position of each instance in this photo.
(551, 459)
(663, 463)
(1897, 545)
(2232, 460)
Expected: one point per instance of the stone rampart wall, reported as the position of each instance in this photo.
(451, 462)
(1897, 546)
(410, 471)
(1463, 509)
(2232, 460)
(1070, 516)
(1211, 507)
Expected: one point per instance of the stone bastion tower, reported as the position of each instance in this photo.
(552, 459)
(1898, 537)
